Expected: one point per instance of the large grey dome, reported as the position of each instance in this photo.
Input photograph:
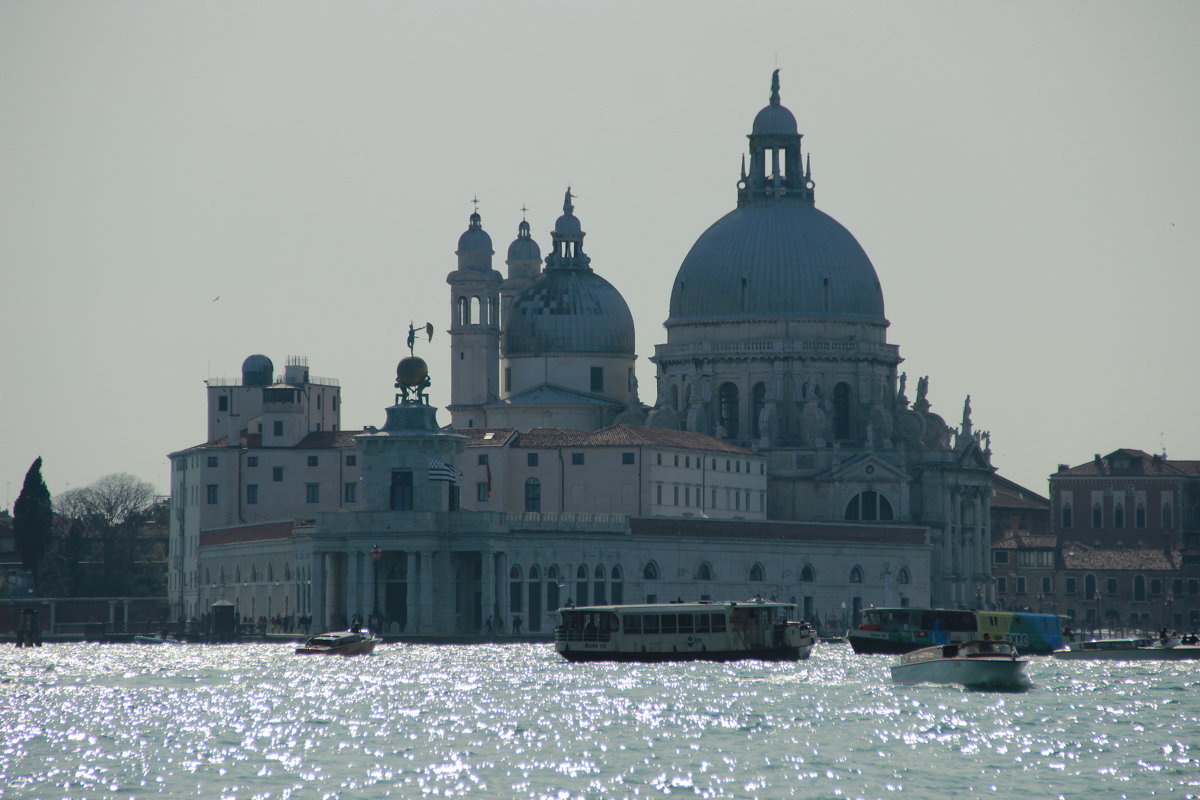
(784, 259)
(569, 311)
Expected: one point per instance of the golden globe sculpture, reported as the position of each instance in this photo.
(411, 371)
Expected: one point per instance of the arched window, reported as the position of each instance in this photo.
(841, 411)
(1139, 516)
(756, 573)
(869, 506)
(758, 399)
(903, 576)
(476, 311)
(1097, 516)
(514, 589)
(581, 585)
(704, 572)
(650, 571)
(618, 587)
(1119, 515)
(533, 495)
(494, 311)
(464, 312)
(1139, 587)
(1066, 515)
(807, 575)
(856, 574)
(598, 592)
(729, 410)
(552, 598)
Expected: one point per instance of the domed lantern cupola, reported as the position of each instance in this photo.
(568, 240)
(775, 172)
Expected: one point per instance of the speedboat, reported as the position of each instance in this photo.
(165, 639)
(341, 643)
(977, 664)
(1130, 650)
(704, 631)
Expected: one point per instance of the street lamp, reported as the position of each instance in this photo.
(376, 554)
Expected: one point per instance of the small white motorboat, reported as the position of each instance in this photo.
(340, 643)
(1130, 650)
(977, 664)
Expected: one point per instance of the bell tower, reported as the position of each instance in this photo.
(474, 328)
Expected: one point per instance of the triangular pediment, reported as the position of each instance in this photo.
(865, 468)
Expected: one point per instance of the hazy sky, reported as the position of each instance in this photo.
(1023, 176)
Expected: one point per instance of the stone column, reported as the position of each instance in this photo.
(487, 588)
(354, 579)
(332, 589)
(316, 598)
(501, 596)
(412, 592)
(428, 618)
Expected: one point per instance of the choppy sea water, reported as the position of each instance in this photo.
(501, 721)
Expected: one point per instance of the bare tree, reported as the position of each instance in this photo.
(103, 534)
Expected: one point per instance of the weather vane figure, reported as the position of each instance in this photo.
(412, 335)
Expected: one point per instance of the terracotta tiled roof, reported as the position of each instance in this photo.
(1024, 540)
(247, 533)
(486, 437)
(1077, 556)
(1007, 494)
(1142, 463)
(747, 529)
(626, 436)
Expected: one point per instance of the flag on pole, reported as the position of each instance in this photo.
(441, 471)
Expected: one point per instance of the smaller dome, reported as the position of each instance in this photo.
(774, 120)
(568, 225)
(524, 248)
(257, 370)
(474, 239)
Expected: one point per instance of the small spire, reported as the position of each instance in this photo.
(743, 166)
(775, 88)
(807, 166)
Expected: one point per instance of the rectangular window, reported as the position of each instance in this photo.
(1193, 586)
(627, 458)
(402, 490)
(350, 492)
(278, 427)
(312, 461)
(481, 493)
(1070, 586)
(1156, 587)
(1177, 586)
(685, 622)
(687, 462)
(251, 461)
(650, 623)
(1000, 556)
(632, 623)
(659, 498)
(1020, 585)
(668, 623)
(703, 623)
(483, 459)
(312, 492)
(717, 622)
(576, 459)
(277, 474)
(675, 501)
(211, 494)
(223, 403)
(251, 494)
(1001, 586)
(531, 459)
(597, 379)
(659, 459)
(1110, 587)
(508, 379)
(1046, 587)
(351, 460)
(212, 461)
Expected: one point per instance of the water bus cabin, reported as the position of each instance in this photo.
(902, 630)
(710, 631)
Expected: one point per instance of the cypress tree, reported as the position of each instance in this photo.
(33, 516)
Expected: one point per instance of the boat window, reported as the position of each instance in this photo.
(668, 622)
(650, 623)
(685, 623)
(718, 622)
(702, 623)
(633, 623)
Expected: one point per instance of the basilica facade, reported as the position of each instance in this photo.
(781, 456)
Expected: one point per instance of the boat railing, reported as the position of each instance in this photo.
(575, 635)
